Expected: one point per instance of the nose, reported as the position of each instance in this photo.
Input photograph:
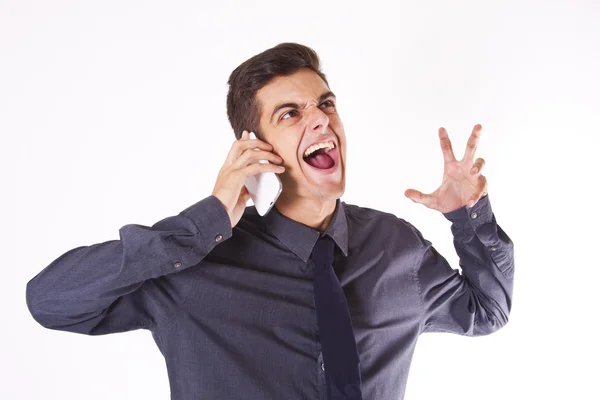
(317, 120)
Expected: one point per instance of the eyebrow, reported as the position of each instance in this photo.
(296, 105)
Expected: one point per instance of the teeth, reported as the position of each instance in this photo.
(329, 145)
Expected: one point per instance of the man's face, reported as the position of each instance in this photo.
(297, 112)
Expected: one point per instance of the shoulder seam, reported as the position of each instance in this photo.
(420, 292)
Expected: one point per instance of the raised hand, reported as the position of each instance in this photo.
(462, 182)
(240, 164)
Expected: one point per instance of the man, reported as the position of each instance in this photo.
(240, 305)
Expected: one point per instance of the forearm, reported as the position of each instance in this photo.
(477, 302)
(486, 255)
(75, 291)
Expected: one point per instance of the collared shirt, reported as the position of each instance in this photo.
(232, 310)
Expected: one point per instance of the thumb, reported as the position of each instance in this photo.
(417, 196)
(244, 194)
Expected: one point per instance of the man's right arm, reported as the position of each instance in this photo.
(108, 287)
(103, 288)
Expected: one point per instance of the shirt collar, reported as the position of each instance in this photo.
(300, 238)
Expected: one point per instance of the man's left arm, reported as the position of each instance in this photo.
(478, 301)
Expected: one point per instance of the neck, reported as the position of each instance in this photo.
(313, 213)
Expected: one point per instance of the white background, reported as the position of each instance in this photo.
(113, 112)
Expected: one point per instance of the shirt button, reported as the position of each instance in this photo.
(177, 265)
(474, 215)
(322, 366)
(492, 248)
(218, 237)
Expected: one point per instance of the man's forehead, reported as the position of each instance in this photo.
(302, 85)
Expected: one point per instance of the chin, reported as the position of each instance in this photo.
(329, 192)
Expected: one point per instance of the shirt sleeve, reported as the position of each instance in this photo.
(478, 301)
(106, 287)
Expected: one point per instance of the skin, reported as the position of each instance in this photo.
(462, 182)
(309, 196)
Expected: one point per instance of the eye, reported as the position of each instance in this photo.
(289, 112)
(327, 104)
(293, 113)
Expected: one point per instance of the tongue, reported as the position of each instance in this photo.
(320, 161)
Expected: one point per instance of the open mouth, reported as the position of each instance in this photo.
(321, 155)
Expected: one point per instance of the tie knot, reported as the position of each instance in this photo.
(322, 253)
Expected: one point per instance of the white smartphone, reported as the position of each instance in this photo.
(264, 188)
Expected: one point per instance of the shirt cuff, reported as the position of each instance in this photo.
(472, 217)
(211, 219)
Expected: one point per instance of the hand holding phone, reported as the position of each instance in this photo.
(241, 163)
(264, 188)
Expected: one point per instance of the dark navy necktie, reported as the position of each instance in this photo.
(342, 372)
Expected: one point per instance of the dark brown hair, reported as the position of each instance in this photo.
(243, 110)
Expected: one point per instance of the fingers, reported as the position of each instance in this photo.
(446, 146)
(419, 197)
(472, 143)
(482, 191)
(239, 146)
(251, 155)
(257, 168)
(477, 166)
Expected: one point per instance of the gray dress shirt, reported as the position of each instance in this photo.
(232, 310)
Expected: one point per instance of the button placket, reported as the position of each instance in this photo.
(321, 381)
(320, 363)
